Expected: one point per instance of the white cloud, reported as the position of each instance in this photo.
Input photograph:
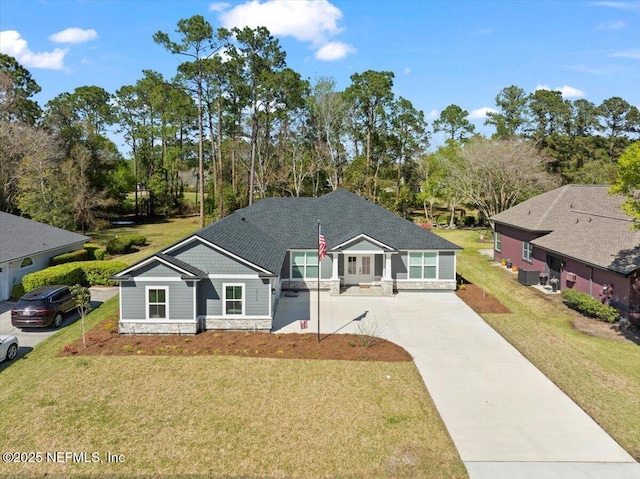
(74, 35)
(432, 115)
(634, 54)
(12, 43)
(633, 6)
(218, 7)
(314, 22)
(334, 51)
(481, 113)
(611, 25)
(566, 91)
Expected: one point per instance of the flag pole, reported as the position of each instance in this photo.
(319, 272)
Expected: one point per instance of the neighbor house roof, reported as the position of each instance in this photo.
(21, 237)
(583, 222)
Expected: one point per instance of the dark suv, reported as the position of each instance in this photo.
(42, 307)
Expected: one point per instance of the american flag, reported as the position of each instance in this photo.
(322, 244)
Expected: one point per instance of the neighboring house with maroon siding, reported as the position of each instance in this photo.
(578, 234)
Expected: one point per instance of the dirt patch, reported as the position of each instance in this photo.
(601, 329)
(105, 340)
(480, 301)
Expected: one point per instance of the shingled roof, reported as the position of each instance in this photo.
(21, 237)
(583, 222)
(262, 233)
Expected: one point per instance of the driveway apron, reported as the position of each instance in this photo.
(505, 417)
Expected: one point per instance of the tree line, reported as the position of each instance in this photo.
(247, 126)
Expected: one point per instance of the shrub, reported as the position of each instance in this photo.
(97, 273)
(138, 240)
(589, 306)
(119, 245)
(95, 252)
(86, 273)
(78, 255)
(68, 273)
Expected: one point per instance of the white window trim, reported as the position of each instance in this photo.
(304, 276)
(527, 251)
(224, 300)
(422, 278)
(497, 239)
(146, 302)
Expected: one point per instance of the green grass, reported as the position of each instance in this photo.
(159, 235)
(600, 375)
(219, 416)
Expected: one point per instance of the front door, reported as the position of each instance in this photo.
(358, 269)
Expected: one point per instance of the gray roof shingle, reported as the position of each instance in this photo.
(583, 222)
(20, 237)
(262, 233)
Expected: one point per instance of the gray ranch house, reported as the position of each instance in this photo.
(26, 246)
(230, 274)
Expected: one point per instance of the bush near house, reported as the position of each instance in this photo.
(95, 252)
(589, 306)
(86, 273)
(74, 256)
(123, 244)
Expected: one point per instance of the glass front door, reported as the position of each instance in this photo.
(359, 269)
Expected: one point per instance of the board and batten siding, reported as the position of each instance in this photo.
(361, 244)
(256, 296)
(180, 299)
(210, 260)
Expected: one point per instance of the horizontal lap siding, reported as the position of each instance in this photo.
(361, 245)
(326, 267)
(256, 291)
(512, 239)
(399, 265)
(180, 299)
(156, 270)
(446, 265)
(209, 260)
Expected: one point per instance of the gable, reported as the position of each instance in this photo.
(155, 269)
(210, 260)
(362, 244)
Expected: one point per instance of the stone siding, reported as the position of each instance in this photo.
(256, 324)
(154, 327)
(425, 285)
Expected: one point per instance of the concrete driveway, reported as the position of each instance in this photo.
(28, 338)
(505, 417)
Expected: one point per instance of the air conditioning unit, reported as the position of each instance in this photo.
(571, 277)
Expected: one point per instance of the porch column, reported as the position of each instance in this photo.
(335, 278)
(387, 278)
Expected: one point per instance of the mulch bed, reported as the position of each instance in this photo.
(481, 302)
(104, 340)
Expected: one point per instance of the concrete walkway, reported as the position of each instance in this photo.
(507, 420)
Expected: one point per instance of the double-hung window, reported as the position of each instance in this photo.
(304, 264)
(233, 301)
(498, 241)
(527, 251)
(423, 265)
(157, 302)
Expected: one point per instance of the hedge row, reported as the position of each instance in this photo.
(86, 273)
(123, 244)
(589, 306)
(88, 253)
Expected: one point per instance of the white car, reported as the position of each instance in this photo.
(8, 348)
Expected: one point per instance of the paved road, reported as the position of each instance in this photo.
(28, 338)
(505, 417)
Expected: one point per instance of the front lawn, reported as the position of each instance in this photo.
(601, 375)
(220, 416)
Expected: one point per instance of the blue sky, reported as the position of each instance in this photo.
(441, 52)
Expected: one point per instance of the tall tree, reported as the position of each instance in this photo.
(17, 86)
(453, 121)
(497, 174)
(370, 95)
(512, 112)
(550, 114)
(628, 181)
(619, 118)
(197, 42)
